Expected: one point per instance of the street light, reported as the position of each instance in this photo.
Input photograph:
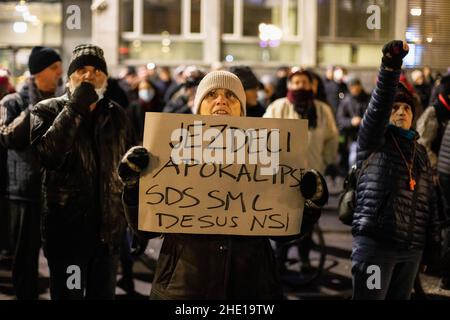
(20, 27)
(269, 36)
(417, 12)
(22, 6)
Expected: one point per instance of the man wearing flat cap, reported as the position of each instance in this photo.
(23, 186)
(80, 139)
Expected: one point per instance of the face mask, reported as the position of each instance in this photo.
(303, 101)
(146, 95)
(262, 96)
(301, 97)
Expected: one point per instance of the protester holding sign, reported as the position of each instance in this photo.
(195, 266)
(395, 219)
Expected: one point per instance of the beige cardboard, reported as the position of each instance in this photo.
(220, 198)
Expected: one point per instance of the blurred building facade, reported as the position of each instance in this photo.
(261, 33)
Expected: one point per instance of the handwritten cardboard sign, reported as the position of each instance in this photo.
(223, 175)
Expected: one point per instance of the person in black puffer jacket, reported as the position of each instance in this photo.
(395, 217)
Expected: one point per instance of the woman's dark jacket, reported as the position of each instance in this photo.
(386, 209)
(81, 189)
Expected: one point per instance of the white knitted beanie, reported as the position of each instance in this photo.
(219, 80)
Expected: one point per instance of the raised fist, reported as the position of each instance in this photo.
(393, 54)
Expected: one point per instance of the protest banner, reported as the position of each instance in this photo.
(223, 175)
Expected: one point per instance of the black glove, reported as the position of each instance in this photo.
(82, 97)
(393, 54)
(314, 189)
(132, 164)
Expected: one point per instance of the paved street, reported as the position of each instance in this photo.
(334, 283)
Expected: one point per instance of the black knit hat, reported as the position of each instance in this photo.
(403, 95)
(41, 58)
(247, 77)
(87, 55)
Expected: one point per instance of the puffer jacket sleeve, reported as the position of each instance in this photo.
(51, 137)
(376, 119)
(14, 123)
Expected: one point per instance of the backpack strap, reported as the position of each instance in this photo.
(364, 166)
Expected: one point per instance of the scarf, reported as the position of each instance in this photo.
(303, 101)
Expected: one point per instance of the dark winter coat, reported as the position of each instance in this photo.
(443, 165)
(81, 187)
(351, 107)
(335, 92)
(163, 86)
(386, 209)
(23, 167)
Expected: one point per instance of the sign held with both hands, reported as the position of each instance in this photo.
(223, 175)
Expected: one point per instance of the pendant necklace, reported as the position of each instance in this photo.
(412, 181)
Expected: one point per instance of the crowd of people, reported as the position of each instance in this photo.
(70, 162)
